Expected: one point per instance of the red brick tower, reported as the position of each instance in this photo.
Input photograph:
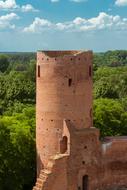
(70, 155)
(64, 91)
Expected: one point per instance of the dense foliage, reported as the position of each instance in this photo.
(17, 111)
(17, 153)
(110, 116)
(110, 92)
(17, 122)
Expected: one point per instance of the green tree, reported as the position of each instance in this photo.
(19, 87)
(31, 70)
(108, 117)
(17, 151)
(4, 63)
(110, 82)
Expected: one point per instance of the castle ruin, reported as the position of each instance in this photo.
(70, 155)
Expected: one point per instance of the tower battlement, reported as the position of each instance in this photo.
(63, 56)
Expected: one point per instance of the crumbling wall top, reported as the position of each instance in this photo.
(53, 54)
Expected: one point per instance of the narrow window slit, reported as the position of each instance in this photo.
(91, 112)
(38, 70)
(69, 82)
(90, 71)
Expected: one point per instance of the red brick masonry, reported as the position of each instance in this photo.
(70, 155)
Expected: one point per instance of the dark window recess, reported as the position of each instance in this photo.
(38, 70)
(90, 71)
(83, 162)
(85, 182)
(91, 112)
(69, 82)
(63, 145)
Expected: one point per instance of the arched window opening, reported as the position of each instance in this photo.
(70, 82)
(85, 181)
(90, 71)
(38, 70)
(63, 145)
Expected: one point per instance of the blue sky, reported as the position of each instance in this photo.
(99, 25)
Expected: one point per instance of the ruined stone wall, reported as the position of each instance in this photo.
(114, 157)
(105, 163)
(84, 159)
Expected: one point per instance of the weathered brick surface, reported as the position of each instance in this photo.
(68, 146)
(64, 89)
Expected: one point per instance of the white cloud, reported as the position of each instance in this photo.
(12, 5)
(28, 8)
(78, 1)
(5, 21)
(79, 21)
(37, 25)
(103, 21)
(121, 2)
(54, 1)
(8, 4)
